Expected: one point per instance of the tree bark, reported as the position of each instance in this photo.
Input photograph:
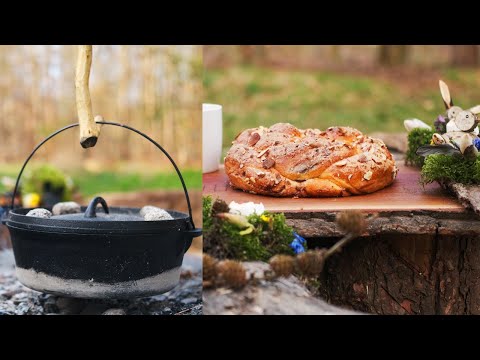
(465, 55)
(406, 275)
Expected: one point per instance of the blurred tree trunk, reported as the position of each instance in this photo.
(252, 54)
(149, 94)
(390, 55)
(465, 55)
(122, 108)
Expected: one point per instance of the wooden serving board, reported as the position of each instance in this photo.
(405, 194)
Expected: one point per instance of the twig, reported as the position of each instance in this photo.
(339, 245)
(186, 310)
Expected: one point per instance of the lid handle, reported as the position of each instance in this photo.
(91, 211)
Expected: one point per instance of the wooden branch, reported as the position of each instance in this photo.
(89, 130)
(468, 195)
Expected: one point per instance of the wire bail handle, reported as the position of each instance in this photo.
(113, 124)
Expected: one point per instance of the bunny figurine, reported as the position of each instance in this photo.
(457, 118)
(461, 136)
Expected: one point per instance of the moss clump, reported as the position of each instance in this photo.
(47, 177)
(416, 138)
(207, 212)
(455, 168)
(222, 239)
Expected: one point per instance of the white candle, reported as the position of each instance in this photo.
(211, 137)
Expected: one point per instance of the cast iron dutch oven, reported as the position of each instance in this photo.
(109, 253)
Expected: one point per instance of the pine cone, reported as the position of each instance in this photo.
(209, 268)
(310, 263)
(232, 273)
(219, 206)
(282, 265)
(351, 221)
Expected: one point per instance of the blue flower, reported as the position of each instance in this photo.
(297, 247)
(299, 238)
(296, 244)
(476, 142)
(440, 124)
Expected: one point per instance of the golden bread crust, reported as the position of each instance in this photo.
(285, 161)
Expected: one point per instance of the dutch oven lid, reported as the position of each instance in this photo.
(91, 214)
(115, 220)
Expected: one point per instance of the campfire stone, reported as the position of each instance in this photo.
(152, 213)
(70, 306)
(68, 207)
(41, 213)
(147, 208)
(115, 312)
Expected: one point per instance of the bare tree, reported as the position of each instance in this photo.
(465, 55)
(390, 55)
(145, 87)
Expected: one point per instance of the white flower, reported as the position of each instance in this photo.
(411, 124)
(246, 209)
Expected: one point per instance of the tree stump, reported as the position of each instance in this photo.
(406, 263)
(406, 275)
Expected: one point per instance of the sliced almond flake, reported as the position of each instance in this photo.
(252, 179)
(341, 163)
(253, 139)
(268, 163)
(350, 177)
(241, 166)
(377, 160)
(367, 175)
(359, 136)
(262, 152)
(394, 173)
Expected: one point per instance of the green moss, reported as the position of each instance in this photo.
(455, 168)
(36, 179)
(271, 235)
(207, 212)
(416, 138)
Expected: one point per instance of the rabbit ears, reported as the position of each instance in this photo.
(447, 98)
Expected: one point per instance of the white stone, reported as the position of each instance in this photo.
(411, 124)
(67, 207)
(40, 213)
(154, 214)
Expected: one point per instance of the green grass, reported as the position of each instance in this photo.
(259, 96)
(91, 184)
(97, 183)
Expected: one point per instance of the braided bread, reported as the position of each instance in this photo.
(285, 161)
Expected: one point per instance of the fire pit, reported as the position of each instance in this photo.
(109, 254)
